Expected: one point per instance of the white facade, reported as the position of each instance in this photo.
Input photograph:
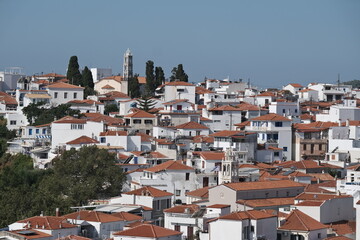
(63, 95)
(179, 91)
(285, 108)
(129, 143)
(100, 73)
(339, 113)
(8, 80)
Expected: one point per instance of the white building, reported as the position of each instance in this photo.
(63, 92)
(148, 232)
(179, 90)
(120, 139)
(331, 92)
(286, 109)
(294, 88)
(100, 73)
(9, 78)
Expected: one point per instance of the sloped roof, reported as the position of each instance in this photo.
(227, 133)
(107, 86)
(305, 196)
(140, 114)
(251, 214)
(178, 83)
(114, 133)
(203, 139)
(7, 99)
(225, 108)
(35, 234)
(92, 216)
(82, 140)
(127, 216)
(298, 220)
(306, 164)
(145, 137)
(70, 119)
(149, 191)
(191, 208)
(148, 231)
(297, 85)
(52, 75)
(169, 165)
(46, 222)
(270, 117)
(175, 101)
(210, 155)
(98, 117)
(86, 102)
(63, 85)
(200, 193)
(191, 125)
(266, 202)
(116, 94)
(244, 106)
(245, 186)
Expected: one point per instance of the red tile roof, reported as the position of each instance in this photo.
(34, 234)
(199, 193)
(306, 164)
(73, 237)
(7, 99)
(244, 106)
(296, 85)
(52, 75)
(246, 186)
(145, 137)
(270, 117)
(343, 227)
(82, 140)
(148, 231)
(210, 155)
(63, 85)
(298, 220)
(203, 139)
(218, 206)
(46, 222)
(169, 165)
(86, 102)
(319, 196)
(243, 215)
(116, 94)
(92, 216)
(225, 108)
(149, 191)
(175, 101)
(107, 86)
(69, 119)
(269, 202)
(178, 83)
(191, 125)
(189, 209)
(140, 114)
(114, 133)
(127, 216)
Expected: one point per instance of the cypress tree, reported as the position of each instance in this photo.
(178, 73)
(150, 78)
(159, 76)
(87, 79)
(134, 87)
(73, 72)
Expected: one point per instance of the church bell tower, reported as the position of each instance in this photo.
(128, 65)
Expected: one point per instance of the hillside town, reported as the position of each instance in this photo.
(207, 160)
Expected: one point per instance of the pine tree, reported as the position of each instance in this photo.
(159, 76)
(146, 103)
(178, 73)
(150, 78)
(134, 87)
(73, 72)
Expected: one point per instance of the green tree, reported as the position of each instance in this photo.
(159, 76)
(89, 173)
(150, 78)
(73, 72)
(134, 87)
(178, 73)
(111, 108)
(146, 103)
(86, 78)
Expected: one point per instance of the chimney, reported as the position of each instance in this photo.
(347, 122)
(42, 214)
(57, 212)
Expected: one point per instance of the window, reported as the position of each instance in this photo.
(285, 149)
(295, 110)
(73, 126)
(80, 126)
(177, 192)
(30, 131)
(177, 228)
(278, 124)
(75, 95)
(65, 95)
(312, 148)
(187, 176)
(283, 110)
(44, 131)
(137, 121)
(319, 235)
(55, 95)
(304, 147)
(103, 140)
(37, 131)
(320, 147)
(148, 121)
(276, 154)
(12, 122)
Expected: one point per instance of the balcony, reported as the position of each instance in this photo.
(313, 141)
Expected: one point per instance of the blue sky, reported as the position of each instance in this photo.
(271, 42)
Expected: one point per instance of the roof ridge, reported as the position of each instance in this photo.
(301, 221)
(153, 230)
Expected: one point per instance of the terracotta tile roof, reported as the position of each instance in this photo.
(63, 85)
(73, 237)
(319, 196)
(189, 209)
(116, 94)
(269, 202)
(148, 231)
(343, 227)
(210, 155)
(202, 90)
(164, 142)
(307, 116)
(69, 119)
(153, 154)
(92, 216)
(246, 186)
(204, 119)
(169, 165)
(306, 164)
(203, 139)
(86, 102)
(314, 126)
(251, 214)
(138, 223)
(244, 106)
(63, 80)
(38, 96)
(298, 220)
(225, 108)
(351, 123)
(248, 166)
(107, 86)
(354, 167)
(296, 85)
(271, 117)
(140, 114)
(34, 234)
(315, 188)
(46, 222)
(266, 94)
(116, 78)
(82, 140)
(199, 193)
(98, 117)
(114, 133)
(307, 90)
(322, 176)
(52, 75)
(275, 212)
(310, 203)
(145, 137)
(127, 216)
(264, 166)
(7, 99)
(191, 125)
(149, 191)
(178, 83)
(338, 238)
(227, 133)
(218, 206)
